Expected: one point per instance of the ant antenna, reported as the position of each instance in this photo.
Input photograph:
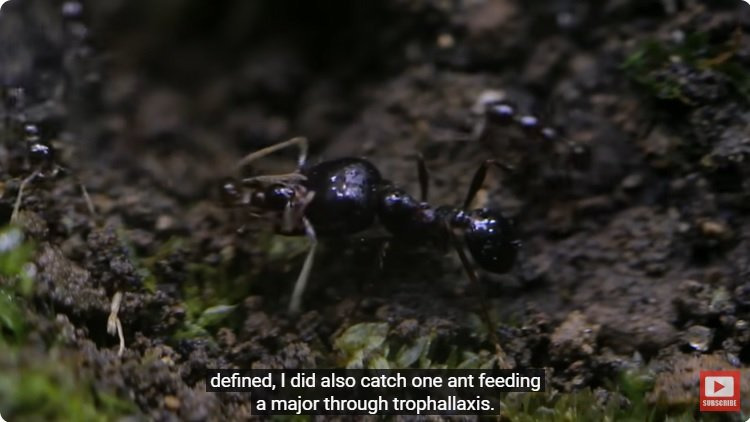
(479, 177)
(300, 142)
(87, 198)
(424, 178)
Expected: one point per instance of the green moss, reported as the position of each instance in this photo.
(148, 264)
(635, 385)
(15, 256)
(209, 292)
(626, 402)
(48, 388)
(16, 283)
(282, 249)
(35, 383)
(738, 75)
(409, 354)
(642, 65)
(202, 326)
(12, 321)
(553, 406)
(369, 345)
(649, 65)
(363, 345)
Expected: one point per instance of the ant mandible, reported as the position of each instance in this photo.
(347, 195)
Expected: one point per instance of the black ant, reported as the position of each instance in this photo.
(347, 195)
(530, 154)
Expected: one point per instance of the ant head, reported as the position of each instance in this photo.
(275, 197)
(260, 195)
(231, 193)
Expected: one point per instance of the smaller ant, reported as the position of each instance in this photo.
(41, 160)
(40, 157)
(532, 153)
(347, 195)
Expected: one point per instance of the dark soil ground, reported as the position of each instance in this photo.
(635, 267)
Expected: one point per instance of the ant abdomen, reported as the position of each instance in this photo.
(490, 238)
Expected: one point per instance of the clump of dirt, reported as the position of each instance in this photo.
(119, 123)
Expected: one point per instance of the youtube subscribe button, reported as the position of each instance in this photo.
(720, 391)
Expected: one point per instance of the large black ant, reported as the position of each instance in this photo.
(347, 195)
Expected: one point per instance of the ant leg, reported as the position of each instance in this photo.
(479, 177)
(424, 178)
(499, 352)
(87, 199)
(301, 142)
(21, 187)
(275, 178)
(299, 286)
(295, 212)
(382, 252)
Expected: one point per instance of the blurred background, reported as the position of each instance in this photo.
(120, 120)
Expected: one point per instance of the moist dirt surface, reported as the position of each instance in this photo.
(635, 257)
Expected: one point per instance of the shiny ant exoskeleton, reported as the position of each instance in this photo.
(347, 195)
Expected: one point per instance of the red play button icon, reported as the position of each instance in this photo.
(718, 386)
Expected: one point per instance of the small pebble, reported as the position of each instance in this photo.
(446, 41)
(713, 228)
(171, 402)
(164, 222)
(632, 181)
(699, 337)
(72, 9)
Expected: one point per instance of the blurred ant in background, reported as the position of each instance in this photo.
(538, 154)
(37, 158)
(37, 161)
